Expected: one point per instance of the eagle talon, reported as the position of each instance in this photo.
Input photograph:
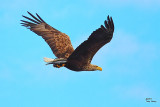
(63, 65)
(58, 66)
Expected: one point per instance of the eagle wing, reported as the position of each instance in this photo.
(59, 42)
(84, 53)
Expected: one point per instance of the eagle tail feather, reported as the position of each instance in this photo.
(55, 61)
(48, 59)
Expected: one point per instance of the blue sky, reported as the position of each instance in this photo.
(130, 61)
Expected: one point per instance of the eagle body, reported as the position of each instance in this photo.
(60, 44)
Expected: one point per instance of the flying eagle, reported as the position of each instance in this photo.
(78, 59)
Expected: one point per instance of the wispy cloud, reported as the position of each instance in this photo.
(5, 73)
(127, 44)
(124, 43)
(137, 92)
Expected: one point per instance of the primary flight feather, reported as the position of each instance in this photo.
(60, 44)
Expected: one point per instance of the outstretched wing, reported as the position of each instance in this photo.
(59, 42)
(84, 53)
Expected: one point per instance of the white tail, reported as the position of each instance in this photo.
(55, 61)
(48, 59)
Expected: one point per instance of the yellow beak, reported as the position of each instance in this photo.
(99, 68)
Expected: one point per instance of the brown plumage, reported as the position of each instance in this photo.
(59, 42)
(78, 59)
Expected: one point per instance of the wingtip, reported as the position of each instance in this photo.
(40, 18)
(28, 12)
(108, 17)
(109, 23)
